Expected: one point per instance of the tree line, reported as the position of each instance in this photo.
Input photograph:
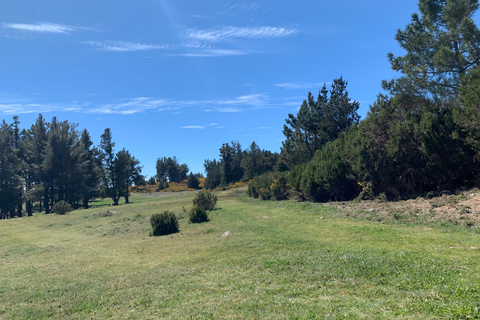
(423, 137)
(53, 161)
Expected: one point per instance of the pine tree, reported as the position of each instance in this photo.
(109, 172)
(10, 166)
(316, 123)
(89, 172)
(442, 45)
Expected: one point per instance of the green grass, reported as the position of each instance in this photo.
(282, 260)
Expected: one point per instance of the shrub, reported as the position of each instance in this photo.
(163, 223)
(161, 185)
(206, 200)
(269, 186)
(192, 181)
(61, 207)
(198, 215)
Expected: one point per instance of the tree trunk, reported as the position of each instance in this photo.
(28, 207)
(19, 208)
(45, 201)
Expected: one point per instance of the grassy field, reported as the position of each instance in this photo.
(281, 260)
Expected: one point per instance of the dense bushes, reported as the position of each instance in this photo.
(163, 223)
(269, 186)
(193, 182)
(198, 215)
(406, 146)
(206, 200)
(61, 207)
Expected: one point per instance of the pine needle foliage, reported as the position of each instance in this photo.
(206, 200)
(198, 215)
(164, 223)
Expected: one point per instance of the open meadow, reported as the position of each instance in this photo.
(280, 260)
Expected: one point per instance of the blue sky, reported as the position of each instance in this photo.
(181, 77)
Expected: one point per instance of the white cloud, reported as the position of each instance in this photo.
(124, 46)
(213, 124)
(193, 127)
(43, 27)
(229, 32)
(234, 10)
(130, 106)
(300, 85)
(231, 110)
(264, 128)
(213, 53)
(198, 16)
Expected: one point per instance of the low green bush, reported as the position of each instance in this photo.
(61, 207)
(205, 199)
(163, 223)
(269, 186)
(198, 215)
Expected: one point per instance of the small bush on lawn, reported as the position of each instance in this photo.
(163, 223)
(61, 207)
(198, 215)
(205, 199)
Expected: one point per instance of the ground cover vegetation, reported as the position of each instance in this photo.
(254, 259)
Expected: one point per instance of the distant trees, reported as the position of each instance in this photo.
(213, 168)
(10, 168)
(90, 169)
(119, 170)
(256, 161)
(52, 162)
(316, 123)
(231, 159)
(169, 170)
(152, 181)
(237, 165)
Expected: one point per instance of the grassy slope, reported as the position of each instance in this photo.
(282, 260)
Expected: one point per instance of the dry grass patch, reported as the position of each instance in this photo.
(462, 209)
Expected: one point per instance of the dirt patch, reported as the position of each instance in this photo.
(459, 209)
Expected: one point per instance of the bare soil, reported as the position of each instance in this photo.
(460, 209)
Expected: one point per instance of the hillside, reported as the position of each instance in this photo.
(280, 260)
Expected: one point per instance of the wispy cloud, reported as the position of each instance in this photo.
(233, 10)
(213, 53)
(24, 108)
(229, 110)
(124, 46)
(198, 16)
(137, 105)
(238, 104)
(44, 27)
(227, 33)
(129, 106)
(248, 7)
(300, 85)
(193, 127)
